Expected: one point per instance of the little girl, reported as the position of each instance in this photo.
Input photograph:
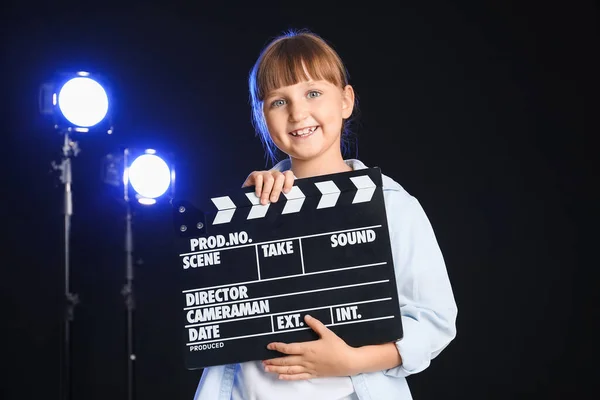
(301, 103)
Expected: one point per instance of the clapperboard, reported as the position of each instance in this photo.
(251, 272)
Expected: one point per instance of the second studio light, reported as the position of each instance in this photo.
(144, 176)
(149, 176)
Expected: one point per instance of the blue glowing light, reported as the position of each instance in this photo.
(83, 102)
(150, 176)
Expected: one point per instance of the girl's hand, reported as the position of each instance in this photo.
(327, 356)
(269, 184)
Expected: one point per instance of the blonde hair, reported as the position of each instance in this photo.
(289, 59)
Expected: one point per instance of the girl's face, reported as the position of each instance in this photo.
(305, 120)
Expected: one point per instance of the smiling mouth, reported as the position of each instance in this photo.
(304, 132)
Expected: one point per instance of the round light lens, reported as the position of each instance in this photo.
(150, 176)
(83, 102)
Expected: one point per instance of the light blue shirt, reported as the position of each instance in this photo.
(426, 301)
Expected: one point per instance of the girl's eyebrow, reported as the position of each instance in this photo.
(274, 93)
(277, 92)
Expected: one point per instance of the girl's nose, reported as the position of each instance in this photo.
(298, 112)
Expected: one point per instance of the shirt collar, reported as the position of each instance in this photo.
(285, 165)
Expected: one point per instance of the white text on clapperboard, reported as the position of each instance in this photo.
(207, 253)
(209, 243)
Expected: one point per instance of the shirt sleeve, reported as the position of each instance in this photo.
(426, 299)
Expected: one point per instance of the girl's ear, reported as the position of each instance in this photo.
(347, 101)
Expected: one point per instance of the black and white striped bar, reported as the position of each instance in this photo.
(329, 194)
(251, 272)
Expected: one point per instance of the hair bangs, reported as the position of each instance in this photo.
(293, 61)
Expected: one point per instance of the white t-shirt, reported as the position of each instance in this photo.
(253, 383)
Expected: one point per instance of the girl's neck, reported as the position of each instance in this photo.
(319, 166)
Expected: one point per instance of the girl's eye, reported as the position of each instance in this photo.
(313, 93)
(277, 103)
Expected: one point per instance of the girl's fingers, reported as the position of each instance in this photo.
(289, 181)
(267, 186)
(277, 187)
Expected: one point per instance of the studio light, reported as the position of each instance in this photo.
(149, 176)
(144, 178)
(77, 102)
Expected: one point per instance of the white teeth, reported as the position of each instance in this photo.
(304, 132)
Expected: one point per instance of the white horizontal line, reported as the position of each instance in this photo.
(290, 330)
(277, 240)
(285, 277)
(290, 294)
(362, 320)
(222, 321)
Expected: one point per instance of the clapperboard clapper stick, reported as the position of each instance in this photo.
(251, 272)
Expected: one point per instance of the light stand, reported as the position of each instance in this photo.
(76, 102)
(70, 149)
(127, 292)
(135, 178)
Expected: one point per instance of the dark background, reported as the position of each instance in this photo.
(483, 112)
